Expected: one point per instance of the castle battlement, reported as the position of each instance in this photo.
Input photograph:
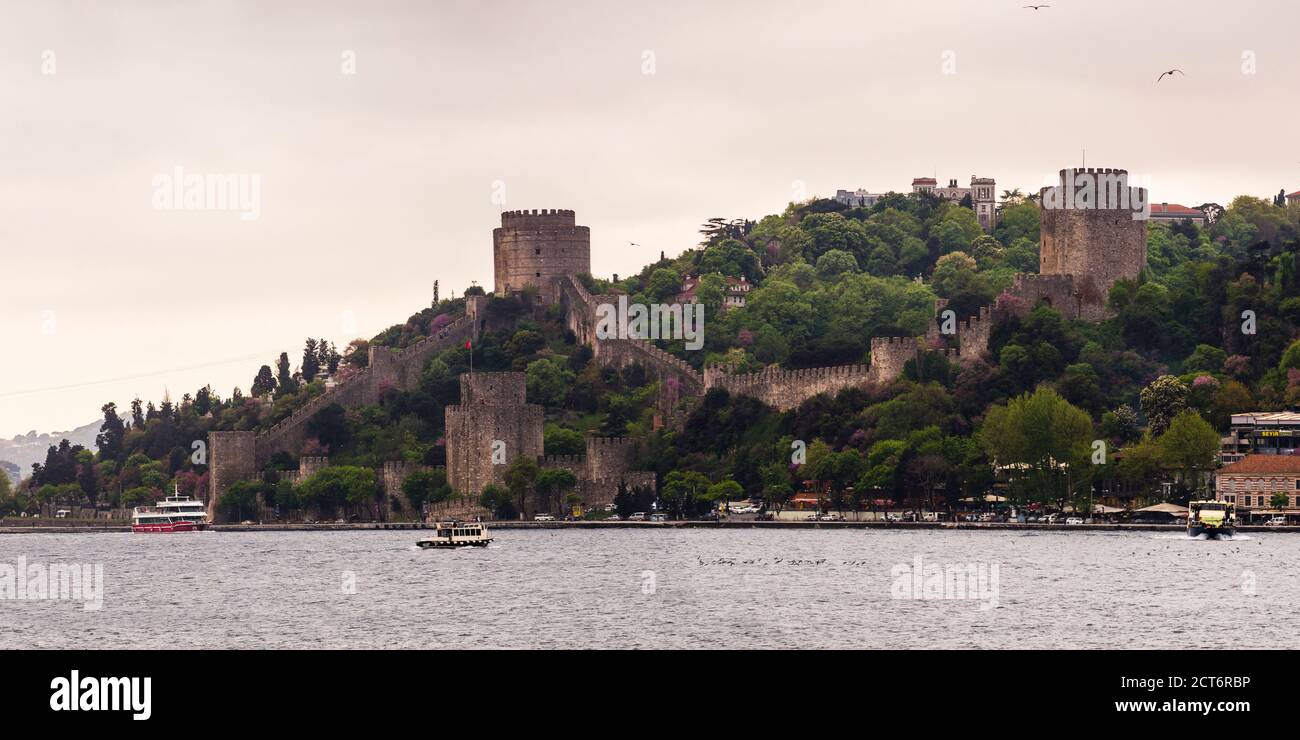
(780, 375)
(563, 461)
(537, 248)
(1092, 171)
(611, 442)
(892, 342)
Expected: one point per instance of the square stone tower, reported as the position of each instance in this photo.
(984, 199)
(491, 427)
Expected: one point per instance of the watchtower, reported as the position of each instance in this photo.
(533, 248)
(1093, 227)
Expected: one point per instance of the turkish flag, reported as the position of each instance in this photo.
(467, 344)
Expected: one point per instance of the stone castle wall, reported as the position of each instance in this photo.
(533, 248)
(580, 308)
(971, 332)
(233, 457)
(610, 457)
(1083, 252)
(239, 458)
(786, 389)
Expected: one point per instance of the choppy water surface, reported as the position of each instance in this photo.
(666, 588)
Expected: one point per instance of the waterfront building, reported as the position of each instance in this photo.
(1253, 481)
(1261, 433)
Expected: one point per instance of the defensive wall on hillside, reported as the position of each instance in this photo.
(1085, 247)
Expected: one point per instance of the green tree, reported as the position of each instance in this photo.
(664, 284)
(1291, 357)
(426, 487)
(240, 497)
(834, 263)
(264, 382)
(1190, 445)
(1162, 400)
(558, 440)
(548, 381)
(1042, 441)
(682, 492)
(551, 485)
(497, 500)
(724, 491)
(111, 433)
(1205, 358)
(284, 375)
(310, 360)
(340, 486)
(520, 476)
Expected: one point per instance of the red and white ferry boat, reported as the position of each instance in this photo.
(173, 514)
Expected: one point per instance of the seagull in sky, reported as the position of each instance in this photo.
(1169, 73)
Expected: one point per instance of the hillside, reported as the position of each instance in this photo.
(26, 449)
(1155, 381)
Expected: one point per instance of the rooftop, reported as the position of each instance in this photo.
(1266, 418)
(1174, 209)
(1263, 465)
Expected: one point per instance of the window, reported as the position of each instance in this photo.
(537, 251)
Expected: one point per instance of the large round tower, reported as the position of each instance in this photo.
(532, 248)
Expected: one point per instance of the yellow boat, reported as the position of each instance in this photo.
(1213, 519)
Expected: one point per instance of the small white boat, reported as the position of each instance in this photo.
(457, 534)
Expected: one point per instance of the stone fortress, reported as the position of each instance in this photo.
(1084, 251)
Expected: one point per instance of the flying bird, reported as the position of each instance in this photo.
(1169, 73)
(1036, 7)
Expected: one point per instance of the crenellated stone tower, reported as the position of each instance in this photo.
(493, 414)
(534, 248)
(1092, 233)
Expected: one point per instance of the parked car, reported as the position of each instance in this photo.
(1277, 521)
(658, 517)
(543, 518)
(636, 516)
(1074, 520)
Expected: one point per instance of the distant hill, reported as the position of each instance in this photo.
(27, 449)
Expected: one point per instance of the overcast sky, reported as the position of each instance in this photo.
(645, 117)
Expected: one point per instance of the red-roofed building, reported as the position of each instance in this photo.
(923, 184)
(1293, 197)
(1252, 481)
(1175, 212)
